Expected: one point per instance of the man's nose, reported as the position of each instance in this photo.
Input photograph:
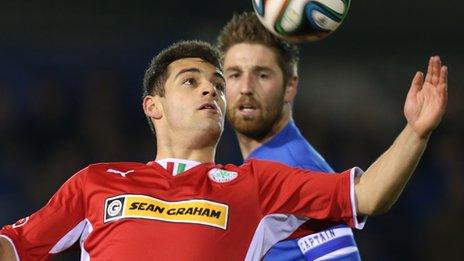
(209, 89)
(246, 85)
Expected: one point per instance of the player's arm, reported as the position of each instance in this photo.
(380, 186)
(6, 250)
(50, 230)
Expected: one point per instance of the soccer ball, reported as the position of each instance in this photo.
(301, 20)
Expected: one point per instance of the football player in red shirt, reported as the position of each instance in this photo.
(183, 206)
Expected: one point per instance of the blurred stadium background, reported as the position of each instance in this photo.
(70, 80)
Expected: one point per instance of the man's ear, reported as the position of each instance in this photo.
(291, 89)
(152, 107)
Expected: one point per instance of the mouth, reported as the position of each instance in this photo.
(208, 106)
(247, 109)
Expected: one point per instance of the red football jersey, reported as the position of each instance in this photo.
(135, 211)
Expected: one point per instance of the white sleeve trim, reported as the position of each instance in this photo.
(88, 228)
(271, 229)
(69, 239)
(358, 224)
(13, 245)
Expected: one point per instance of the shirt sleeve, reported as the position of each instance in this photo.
(286, 190)
(54, 227)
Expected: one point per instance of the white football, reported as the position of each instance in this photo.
(301, 20)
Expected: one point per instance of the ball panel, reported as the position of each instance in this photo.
(258, 5)
(321, 18)
(324, 10)
(270, 12)
(322, 21)
(338, 6)
(291, 18)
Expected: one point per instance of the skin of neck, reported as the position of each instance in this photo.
(249, 144)
(196, 145)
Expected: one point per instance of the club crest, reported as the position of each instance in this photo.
(222, 176)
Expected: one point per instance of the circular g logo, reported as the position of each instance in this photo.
(114, 208)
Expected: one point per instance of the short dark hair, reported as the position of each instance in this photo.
(246, 28)
(157, 72)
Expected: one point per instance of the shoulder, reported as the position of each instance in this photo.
(112, 167)
(119, 165)
(256, 171)
(290, 147)
(254, 165)
(304, 155)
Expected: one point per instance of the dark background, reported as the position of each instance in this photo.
(71, 75)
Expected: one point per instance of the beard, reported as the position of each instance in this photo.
(260, 125)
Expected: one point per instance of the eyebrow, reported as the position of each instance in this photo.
(233, 68)
(217, 73)
(255, 68)
(186, 70)
(262, 68)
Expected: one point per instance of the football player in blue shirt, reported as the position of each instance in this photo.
(261, 78)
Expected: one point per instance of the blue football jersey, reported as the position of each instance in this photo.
(332, 243)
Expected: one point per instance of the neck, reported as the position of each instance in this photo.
(205, 155)
(249, 144)
(186, 148)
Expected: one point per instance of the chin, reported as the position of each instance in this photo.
(213, 129)
(251, 128)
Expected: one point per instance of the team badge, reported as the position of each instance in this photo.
(222, 176)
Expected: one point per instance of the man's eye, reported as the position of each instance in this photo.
(189, 81)
(263, 75)
(233, 76)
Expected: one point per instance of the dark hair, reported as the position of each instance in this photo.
(157, 72)
(246, 28)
